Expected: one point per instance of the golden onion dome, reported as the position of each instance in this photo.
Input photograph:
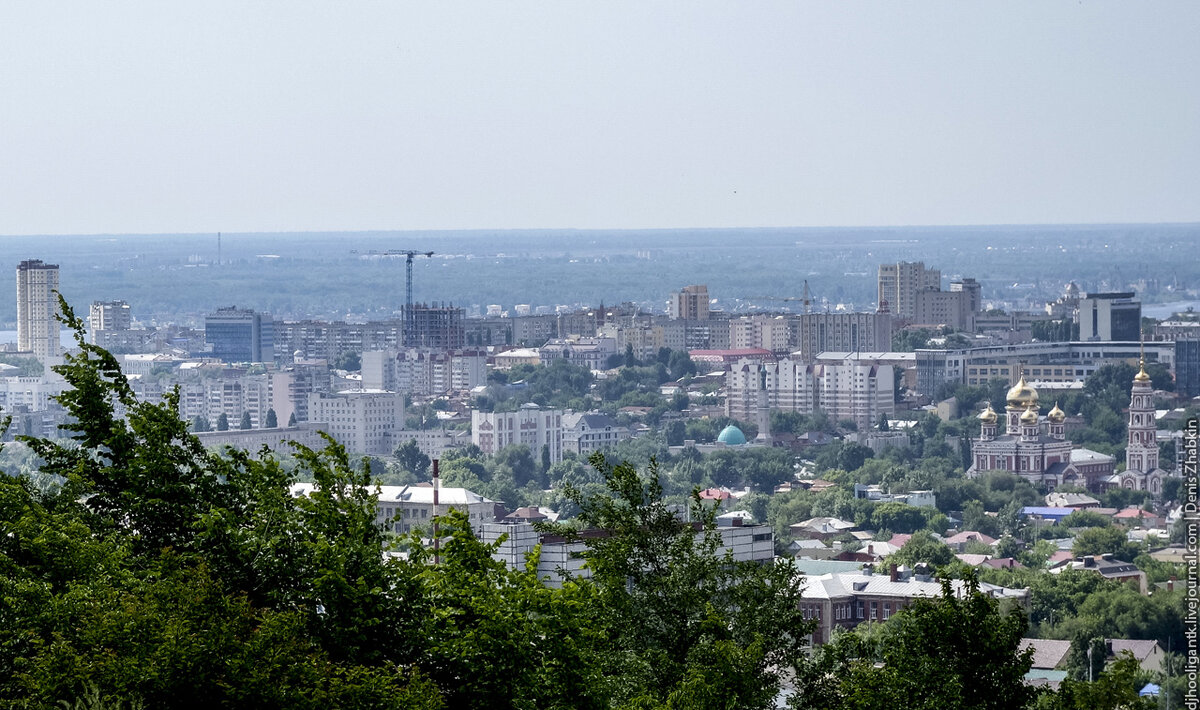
(1022, 395)
(1141, 377)
(1057, 415)
(988, 416)
(1030, 416)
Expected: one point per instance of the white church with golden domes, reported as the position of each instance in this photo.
(1037, 450)
(1141, 453)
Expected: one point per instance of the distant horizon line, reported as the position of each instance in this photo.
(414, 230)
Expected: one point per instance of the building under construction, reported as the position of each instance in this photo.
(437, 326)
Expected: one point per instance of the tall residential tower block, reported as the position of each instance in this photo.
(37, 305)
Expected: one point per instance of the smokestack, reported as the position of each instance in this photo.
(892, 572)
(436, 539)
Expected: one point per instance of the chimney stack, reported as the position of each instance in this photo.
(892, 572)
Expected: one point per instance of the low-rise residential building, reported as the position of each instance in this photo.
(1055, 499)
(517, 356)
(434, 442)
(1107, 567)
(530, 425)
(584, 433)
(592, 353)
(958, 542)
(924, 499)
(277, 439)
(820, 528)
(1147, 652)
(877, 441)
(559, 557)
(848, 599)
(406, 508)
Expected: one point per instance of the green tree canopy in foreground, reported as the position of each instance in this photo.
(155, 573)
(955, 651)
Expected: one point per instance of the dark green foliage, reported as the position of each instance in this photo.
(911, 339)
(272, 421)
(245, 422)
(349, 361)
(946, 653)
(687, 628)
(411, 458)
(760, 468)
(26, 366)
(899, 517)
(675, 432)
(1085, 519)
(1115, 688)
(154, 573)
(844, 455)
(498, 638)
(1105, 540)
(222, 422)
(554, 385)
(1055, 331)
(922, 547)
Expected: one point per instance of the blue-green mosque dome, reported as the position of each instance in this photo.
(731, 436)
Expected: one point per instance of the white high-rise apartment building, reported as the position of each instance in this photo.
(109, 315)
(690, 303)
(854, 390)
(37, 304)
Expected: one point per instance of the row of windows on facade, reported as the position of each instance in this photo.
(857, 610)
(1033, 371)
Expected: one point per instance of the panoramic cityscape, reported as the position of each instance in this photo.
(783, 356)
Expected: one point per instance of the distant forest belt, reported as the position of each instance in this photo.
(317, 275)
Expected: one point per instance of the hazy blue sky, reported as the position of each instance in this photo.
(255, 116)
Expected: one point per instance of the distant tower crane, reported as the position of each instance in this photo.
(409, 255)
(805, 298)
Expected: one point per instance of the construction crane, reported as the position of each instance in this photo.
(805, 298)
(409, 255)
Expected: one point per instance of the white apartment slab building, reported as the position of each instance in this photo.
(850, 332)
(406, 508)
(530, 425)
(767, 332)
(424, 371)
(851, 390)
(746, 543)
(365, 421)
